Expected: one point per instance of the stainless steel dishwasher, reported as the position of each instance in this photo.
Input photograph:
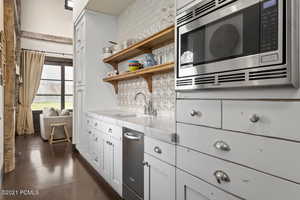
(133, 170)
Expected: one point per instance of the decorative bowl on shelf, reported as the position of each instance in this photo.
(134, 65)
(134, 68)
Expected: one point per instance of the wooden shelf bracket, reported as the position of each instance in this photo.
(115, 84)
(148, 79)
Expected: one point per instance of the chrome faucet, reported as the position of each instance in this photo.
(148, 107)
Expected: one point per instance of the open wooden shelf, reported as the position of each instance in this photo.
(155, 41)
(145, 73)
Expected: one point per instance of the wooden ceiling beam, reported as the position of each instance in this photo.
(46, 37)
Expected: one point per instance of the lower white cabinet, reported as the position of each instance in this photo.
(116, 165)
(159, 179)
(111, 166)
(103, 152)
(191, 188)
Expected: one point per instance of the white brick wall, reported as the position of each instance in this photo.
(136, 19)
(141, 15)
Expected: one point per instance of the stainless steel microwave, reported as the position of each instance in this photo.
(237, 43)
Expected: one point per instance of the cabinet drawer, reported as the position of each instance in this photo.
(274, 119)
(191, 188)
(112, 130)
(238, 180)
(160, 150)
(200, 112)
(253, 151)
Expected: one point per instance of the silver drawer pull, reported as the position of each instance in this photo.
(145, 163)
(254, 118)
(221, 145)
(90, 132)
(157, 150)
(110, 130)
(194, 113)
(96, 139)
(221, 177)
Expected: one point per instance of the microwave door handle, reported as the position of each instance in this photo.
(132, 136)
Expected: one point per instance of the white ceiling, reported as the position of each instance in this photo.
(112, 7)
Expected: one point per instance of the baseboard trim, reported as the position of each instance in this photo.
(74, 149)
(98, 178)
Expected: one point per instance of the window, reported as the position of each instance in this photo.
(56, 87)
(69, 4)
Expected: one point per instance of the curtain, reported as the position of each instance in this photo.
(31, 68)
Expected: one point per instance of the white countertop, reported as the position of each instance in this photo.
(161, 128)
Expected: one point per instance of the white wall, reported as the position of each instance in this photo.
(140, 16)
(48, 17)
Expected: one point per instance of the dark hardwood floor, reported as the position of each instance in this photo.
(52, 172)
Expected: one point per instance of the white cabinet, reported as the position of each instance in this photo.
(116, 165)
(199, 112)
(79, 120)
(160, 150)
(107, 158)
(159, 179)
(239, 180)
(191, 188)
(79, 56)
(112, 162)
(268, 118)
(91, 32)
(242, 148)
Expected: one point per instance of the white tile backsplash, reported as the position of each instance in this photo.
(141, 17)
(163, 94)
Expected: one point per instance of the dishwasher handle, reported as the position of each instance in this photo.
(132, 136)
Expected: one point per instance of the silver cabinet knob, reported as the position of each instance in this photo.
(90, 132)
(254, 118)
(157, 150)
(194, 113)
(96, 124)
(110, 130)
(221, 145)
(221, 177)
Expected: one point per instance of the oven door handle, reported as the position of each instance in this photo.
(132, 136)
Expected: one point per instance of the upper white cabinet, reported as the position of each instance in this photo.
(274, 119)
(159, 179)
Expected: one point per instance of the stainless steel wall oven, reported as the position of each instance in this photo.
(236, 43)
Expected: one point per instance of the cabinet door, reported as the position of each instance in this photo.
(101, 146)
(80, 66)
(116, 165)
(159, 179)
(80, 136)
(107, 158)
(191, 188)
